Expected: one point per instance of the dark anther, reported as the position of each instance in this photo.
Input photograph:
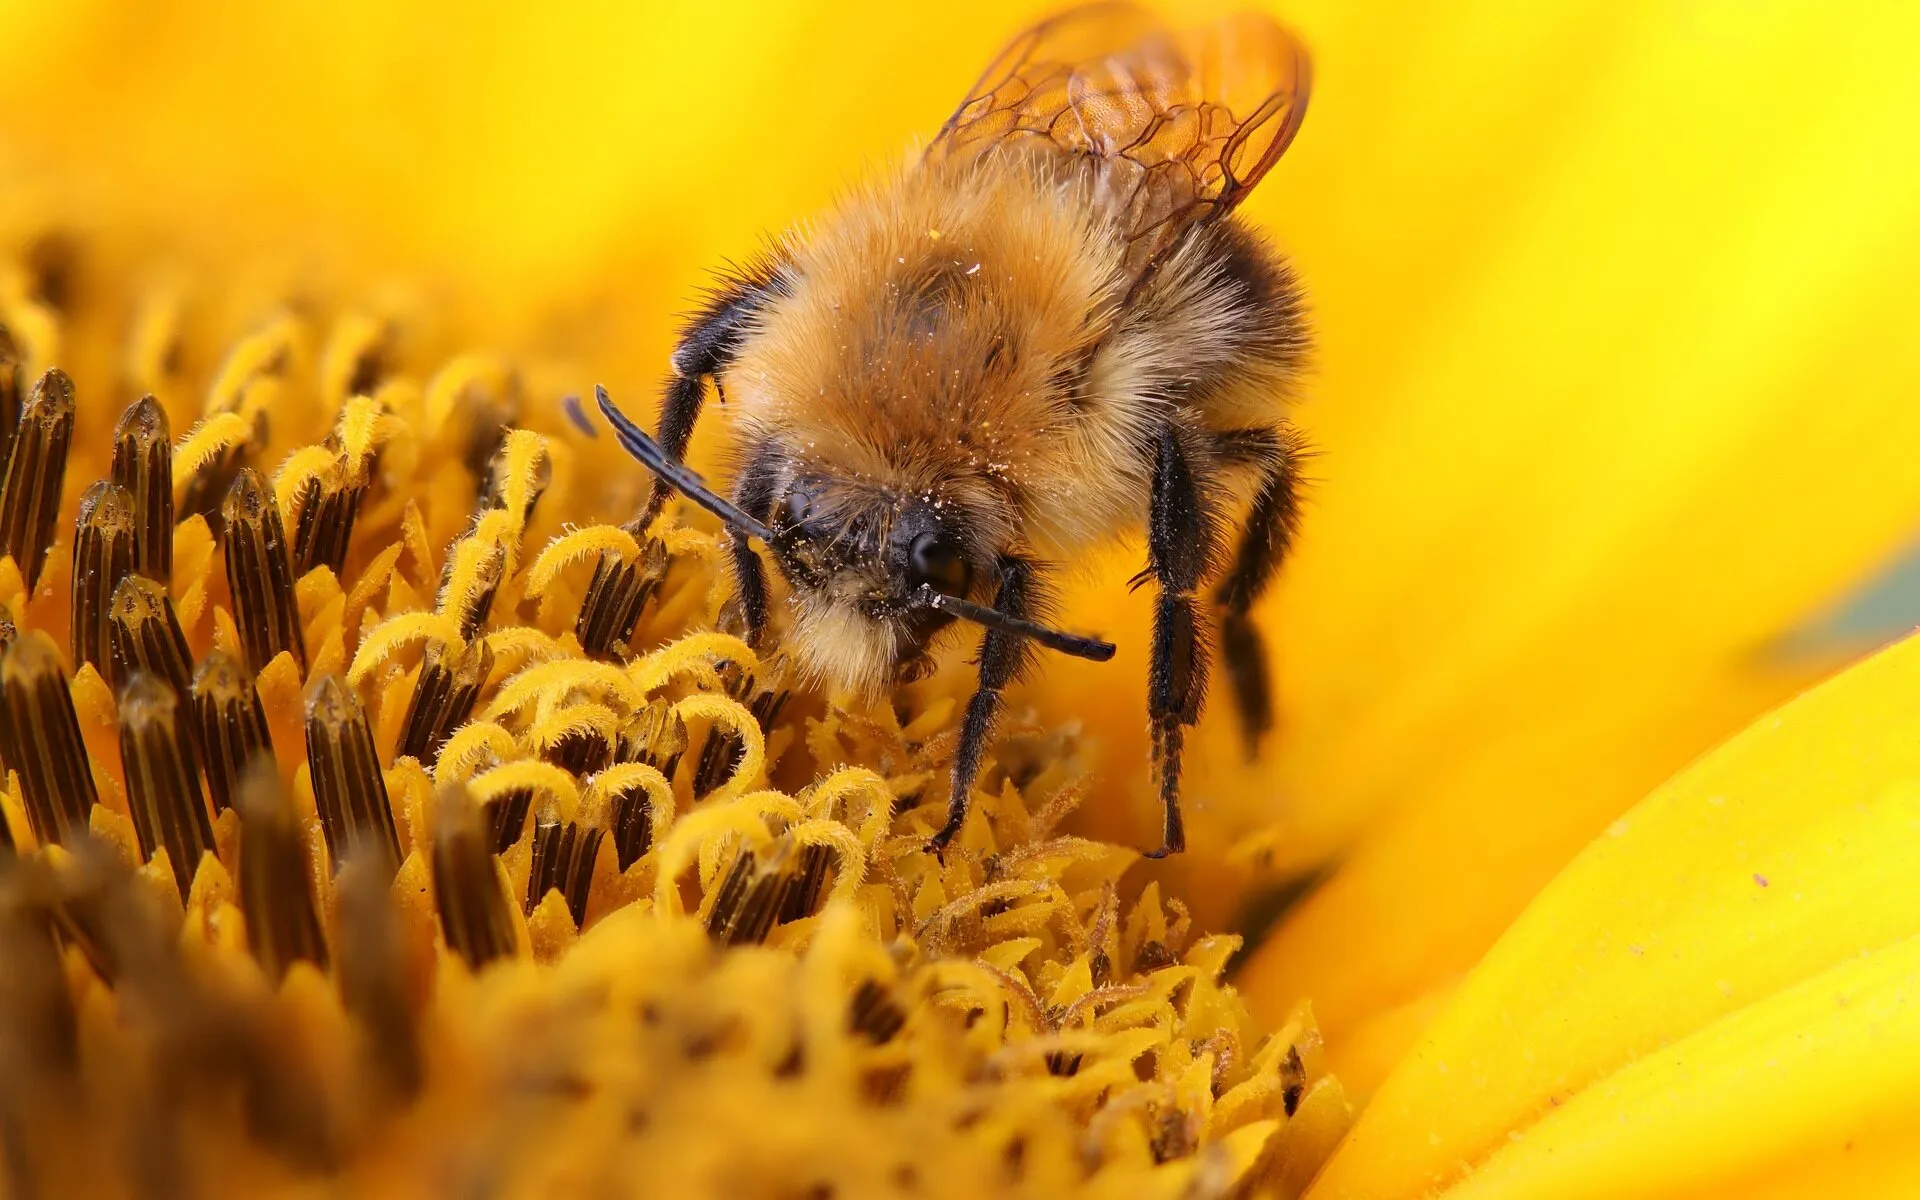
(163, 782)
(260, 573)
(873, 1012)
(276, 895)
(474, 916)
(143, 464)
(105, 543)
(1293, 1080)
(443, 698)
(328, 506)
(39, 1031)
(143, 634)
(616, 596)
(563, 856)
(372, 973)
(348, 788)
(505, 817)
(231, 723)
(36, 471)
(764, 697)
(40, 739)
(12, 387)
(752, 895)
(656, 736)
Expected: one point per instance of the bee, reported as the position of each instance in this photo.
(1048, 330)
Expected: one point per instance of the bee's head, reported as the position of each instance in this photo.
(876, 569)
(862, 562)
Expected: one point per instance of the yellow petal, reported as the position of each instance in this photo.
(1576, 482)
(1722, 987)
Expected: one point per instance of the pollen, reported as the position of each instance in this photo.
(378, 802)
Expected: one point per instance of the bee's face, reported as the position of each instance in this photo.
(855, 557)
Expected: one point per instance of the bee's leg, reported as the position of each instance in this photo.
(1003, 658)
(1271, 524)
(1181, 532)
(706, 347)
(753, 493)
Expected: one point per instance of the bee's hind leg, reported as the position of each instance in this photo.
(1003, 658)
(1182, 530)
(1270, 528)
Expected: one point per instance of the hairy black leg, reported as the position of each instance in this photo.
(1003, 657)
(1271, 525)
(1181, 531)
(707, 345)
(753, 492)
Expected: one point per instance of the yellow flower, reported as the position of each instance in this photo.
(1611, 396)
(424, 830)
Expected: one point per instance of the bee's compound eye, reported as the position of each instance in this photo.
(799, 507)
(939, 560)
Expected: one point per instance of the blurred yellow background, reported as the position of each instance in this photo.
(1616, 384)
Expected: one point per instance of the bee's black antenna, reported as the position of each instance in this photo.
(636, 441)
(1053, 639)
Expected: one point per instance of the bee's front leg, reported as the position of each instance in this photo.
(753, 493)
(1003, 658)
(1181, 531)
(706, 347)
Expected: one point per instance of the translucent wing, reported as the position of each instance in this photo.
(1176, 127)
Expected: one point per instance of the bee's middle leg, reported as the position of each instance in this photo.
(1182, 529)
(1003, 658)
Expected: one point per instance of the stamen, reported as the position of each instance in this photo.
(809, 879)
(469, 582)
(260, 573)
(563, 857)
(443, 699)
(12, 386)
(750, 900)
(276, 895)
(163, 784)
(104, 547)
(143, 634)
(328, 506)
(36, 471)
(579, 751)
(518, 473)
(615, 598)
(143, 464)
(373, 976)
(655, 735)
(348, 789)
(40, 739)
(474, 916)
(232, 724)
(873, 1012)
(8, 630)
(505, 817)
(39, 1030)
(720, 755)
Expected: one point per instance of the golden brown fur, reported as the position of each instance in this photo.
(964, 333)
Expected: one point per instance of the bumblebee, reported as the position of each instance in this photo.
(1047, 331)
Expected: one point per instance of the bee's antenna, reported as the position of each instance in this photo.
(636, 441)
(1053, 639)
